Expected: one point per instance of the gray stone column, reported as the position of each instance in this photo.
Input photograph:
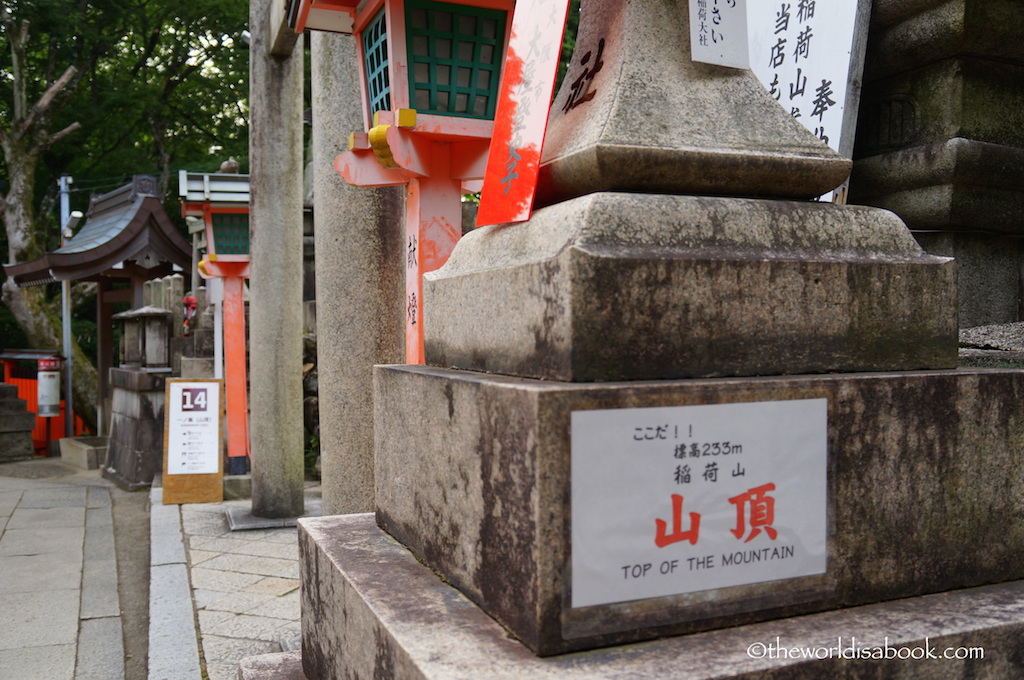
(359, 279)
(940, 140)
(275, 312)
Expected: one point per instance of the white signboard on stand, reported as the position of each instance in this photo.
(801, 51)
(193, 417)
(193, 428)
(674, 500)
(809, 54)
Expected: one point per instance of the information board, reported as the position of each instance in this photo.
(809, 55)
(193, 465)
(674, 500)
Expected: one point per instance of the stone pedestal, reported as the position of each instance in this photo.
(611, 303)
(371, 610)
(617, 286)
(485, 498)
(136, 444)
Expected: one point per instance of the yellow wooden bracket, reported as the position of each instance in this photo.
(379, 144)
(406, 118)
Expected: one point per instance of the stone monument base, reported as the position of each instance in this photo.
(476, 475)
(370, 609)
(614, 286)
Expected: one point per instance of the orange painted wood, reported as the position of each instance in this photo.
(520, 122)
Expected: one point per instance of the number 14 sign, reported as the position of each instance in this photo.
(192, 441)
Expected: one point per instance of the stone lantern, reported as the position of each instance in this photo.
(145, 339)
(222, 201)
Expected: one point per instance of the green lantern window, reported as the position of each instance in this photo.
(230, 233)
(455, 58)
(375, 51)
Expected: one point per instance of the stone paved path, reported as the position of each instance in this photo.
(60, 616)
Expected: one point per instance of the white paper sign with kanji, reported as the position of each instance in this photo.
(800, 50)
(673, 500)
(718, 32)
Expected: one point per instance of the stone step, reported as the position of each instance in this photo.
(8, 391)
(12, 405)
(17, 422)
(15, 446)
(364, 593)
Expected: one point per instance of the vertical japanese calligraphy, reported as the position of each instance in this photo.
(672, 500)
(718, 32)
(801, 52)
(513, 163)
(521, 118)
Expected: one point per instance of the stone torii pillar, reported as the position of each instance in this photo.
(275, 284)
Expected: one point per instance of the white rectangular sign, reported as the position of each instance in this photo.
(193, 427)
(673, 500)
(801, 51)
(718, 32)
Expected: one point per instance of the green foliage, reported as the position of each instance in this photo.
(310, 457)
(568, 40)
(162, 86)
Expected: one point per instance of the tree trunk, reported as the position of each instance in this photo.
(36, 317)
(23, 138)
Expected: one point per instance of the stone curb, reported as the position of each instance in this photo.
(173, 638)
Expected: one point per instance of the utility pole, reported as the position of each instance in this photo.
(64, 185)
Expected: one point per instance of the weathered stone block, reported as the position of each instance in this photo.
(370, 610)
(11, 404)
(923, 472)
(989, 275)
(197, 367)
(16, 446)
(957, 184)
(87, 453)
(906, 34)
(281, 666)
(137, 428)
(638, 287)
(960, 97)
(17, 422)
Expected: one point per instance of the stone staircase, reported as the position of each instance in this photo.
(16, 425)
